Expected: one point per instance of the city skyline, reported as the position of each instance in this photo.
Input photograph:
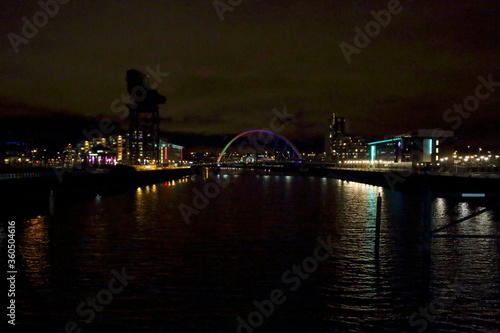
(225, 77)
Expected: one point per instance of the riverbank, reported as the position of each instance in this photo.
(415, 182)
(75, 183)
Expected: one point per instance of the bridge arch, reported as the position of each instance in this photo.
(257, 131)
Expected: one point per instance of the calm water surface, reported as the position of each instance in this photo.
(201, 277)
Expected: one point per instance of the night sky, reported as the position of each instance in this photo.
(225, 77)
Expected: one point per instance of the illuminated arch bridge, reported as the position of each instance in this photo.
(260, 131)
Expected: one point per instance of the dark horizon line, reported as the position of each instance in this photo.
(75, 132)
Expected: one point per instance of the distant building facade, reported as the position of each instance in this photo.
(170, 154)
(113, 149)
(421, 148)
(15, 154)
(342, 147)
(98, 151)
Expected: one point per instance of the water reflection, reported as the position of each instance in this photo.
(200, 277)
(34, 250)
(468, 266)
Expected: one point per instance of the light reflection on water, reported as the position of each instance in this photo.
(201, 276)
(35, 250)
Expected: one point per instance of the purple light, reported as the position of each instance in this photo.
(254, 131)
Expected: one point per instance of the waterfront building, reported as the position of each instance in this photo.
(100, 151)
(421, 148)
(16, 154)
(170, 154)
(341, 146)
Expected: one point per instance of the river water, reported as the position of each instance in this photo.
(239, 249)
